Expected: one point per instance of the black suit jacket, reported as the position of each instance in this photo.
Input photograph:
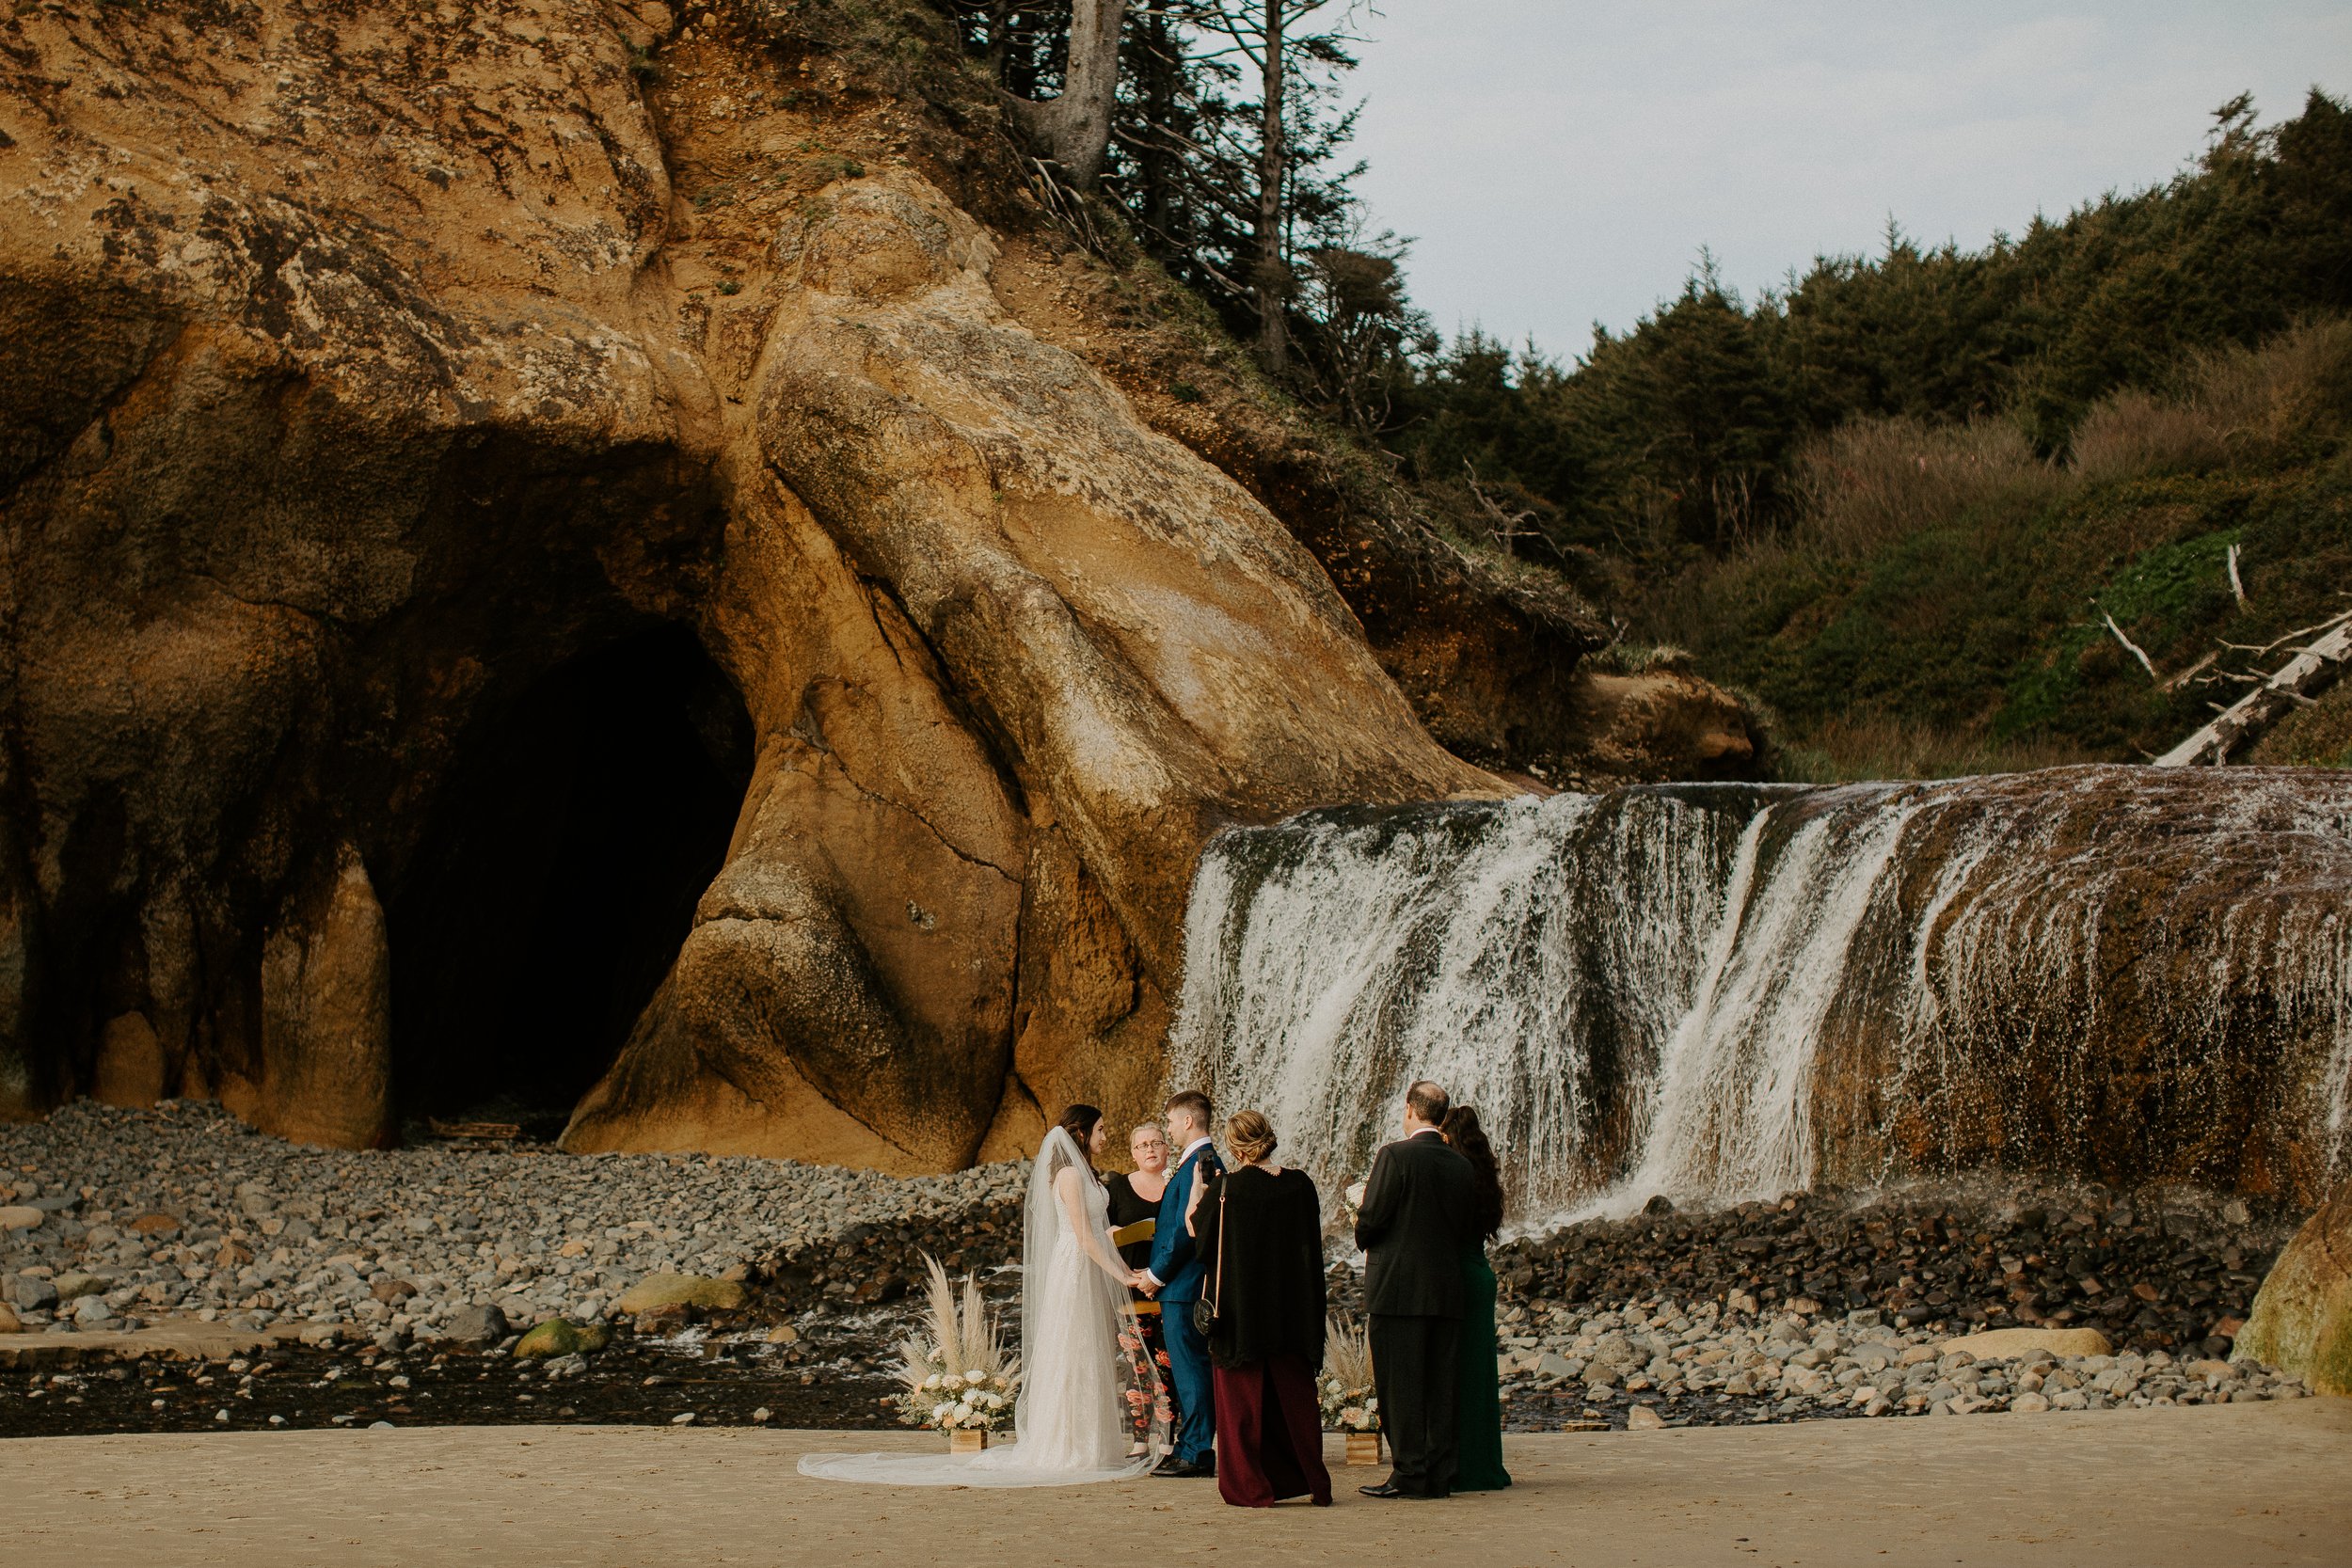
(1416, 1219)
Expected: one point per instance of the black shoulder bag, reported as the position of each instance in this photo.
(1204, 1308)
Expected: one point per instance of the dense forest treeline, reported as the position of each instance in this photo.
(1687, 427)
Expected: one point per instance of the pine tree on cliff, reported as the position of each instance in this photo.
(1073, 127)
(1266, 33)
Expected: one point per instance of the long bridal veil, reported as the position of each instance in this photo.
(1089, 1390)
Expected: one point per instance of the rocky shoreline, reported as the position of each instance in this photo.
(185, 1211)
(429, 1264)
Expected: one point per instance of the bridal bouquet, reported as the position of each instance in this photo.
(1344, 1387)
(956, 1375)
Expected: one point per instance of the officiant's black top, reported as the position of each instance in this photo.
(1419, 1213)
(1272, 1303)
(1127, 1207)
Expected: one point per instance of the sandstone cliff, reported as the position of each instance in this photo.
(520, 425)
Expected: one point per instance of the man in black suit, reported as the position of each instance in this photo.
(1417, 1217)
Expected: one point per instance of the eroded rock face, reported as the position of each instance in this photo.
(304, 477)
(1143, 653)
(363, 372)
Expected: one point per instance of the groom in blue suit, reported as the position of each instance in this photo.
(1176, 1269)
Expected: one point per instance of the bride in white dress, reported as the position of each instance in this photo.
(1083, 1373)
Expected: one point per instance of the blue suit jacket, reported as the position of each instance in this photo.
(1173, 1262)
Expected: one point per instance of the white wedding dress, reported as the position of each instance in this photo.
(1082, 1369)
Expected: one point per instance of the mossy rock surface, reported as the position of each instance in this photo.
(2302, 1321)
(680, 1289)
(562, 1337)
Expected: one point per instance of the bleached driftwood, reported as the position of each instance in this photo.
(2314, 668)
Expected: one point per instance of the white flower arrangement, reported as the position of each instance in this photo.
(960, 1380)
(1344, 1387)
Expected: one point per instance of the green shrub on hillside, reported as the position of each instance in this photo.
(1943, 598)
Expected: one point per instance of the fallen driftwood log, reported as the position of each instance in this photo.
(2313, 669)
(487, 1130)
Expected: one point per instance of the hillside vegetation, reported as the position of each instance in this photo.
(1898, 500)
(1941, 601)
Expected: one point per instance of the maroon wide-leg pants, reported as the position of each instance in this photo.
(1269, 1434)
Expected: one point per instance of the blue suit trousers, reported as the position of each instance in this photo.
(1195, 1398)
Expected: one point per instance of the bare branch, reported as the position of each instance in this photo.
(2130, 646)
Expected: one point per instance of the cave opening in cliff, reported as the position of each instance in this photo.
(558, 878)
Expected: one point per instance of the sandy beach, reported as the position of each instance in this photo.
(2239, 1484)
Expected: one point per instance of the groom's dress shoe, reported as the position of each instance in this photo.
(1386, 1489)
(1179, 1470)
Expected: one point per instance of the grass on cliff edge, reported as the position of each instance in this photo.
(1940, 607)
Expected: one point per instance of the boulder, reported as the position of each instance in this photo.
(2301, 1322)
(34, 1293)
(560, 1337)
(2008, 1344)
(661, 1322)
(475, 1328)
(680, 1289)
(9, 1322)
(1661, 723)
(73, 1286)
(19, 1218)
(130, 1066)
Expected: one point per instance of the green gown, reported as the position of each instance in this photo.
(1482, 1401)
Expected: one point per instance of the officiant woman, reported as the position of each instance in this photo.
(1260, 1228)
(1136, 1197)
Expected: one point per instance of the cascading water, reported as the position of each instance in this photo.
(1718, 992)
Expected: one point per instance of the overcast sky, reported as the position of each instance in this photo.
(1561, 162)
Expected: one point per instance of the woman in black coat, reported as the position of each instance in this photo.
(1260, 1228)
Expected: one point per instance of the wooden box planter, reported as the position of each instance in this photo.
(1363, 1448)
(967, 1442)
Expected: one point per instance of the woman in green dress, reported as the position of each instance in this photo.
(1482, 1401)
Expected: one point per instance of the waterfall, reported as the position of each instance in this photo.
(1719, 991)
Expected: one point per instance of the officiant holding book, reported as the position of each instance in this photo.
(1418, 1215)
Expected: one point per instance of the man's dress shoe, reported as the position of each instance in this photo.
(1178, 1469)
(1386, 1489)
